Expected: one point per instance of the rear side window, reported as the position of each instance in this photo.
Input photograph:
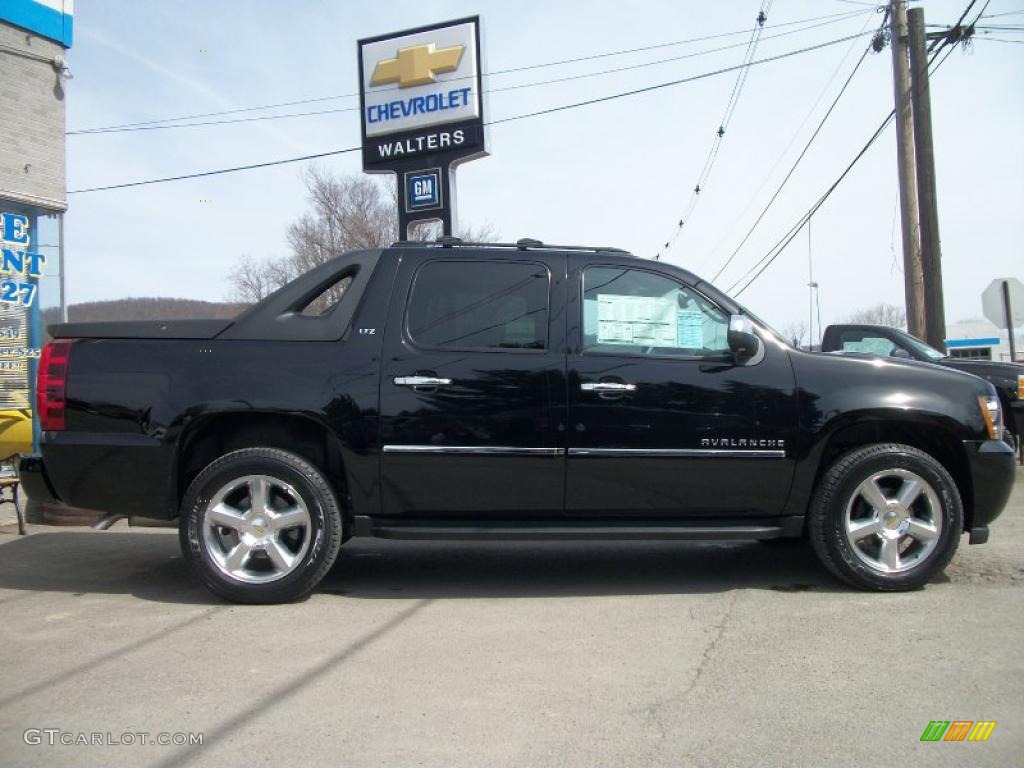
(479, 305)
(329, 299)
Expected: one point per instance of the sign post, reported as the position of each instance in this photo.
(421, 99)
(1003, 303)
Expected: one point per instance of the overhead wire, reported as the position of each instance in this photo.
(765, 261)
(518, 86)
(797, 161)
(796, 134)
(512, 118)
(1004, 13)
(508, 70)
(723, 125)
(775, 251)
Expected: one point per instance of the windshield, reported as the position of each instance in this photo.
(929, 353)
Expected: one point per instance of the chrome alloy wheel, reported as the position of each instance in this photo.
(257, 529)
(893, 520)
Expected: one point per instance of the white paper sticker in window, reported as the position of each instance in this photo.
(647, 321)
(871, 346)
(690, 329)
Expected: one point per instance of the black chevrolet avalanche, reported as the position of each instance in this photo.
(456, 390)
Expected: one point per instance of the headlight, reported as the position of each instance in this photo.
(1020, 387)
(992, 413)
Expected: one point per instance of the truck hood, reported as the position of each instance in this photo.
(986, 367)
(897, 362)
(877, 369)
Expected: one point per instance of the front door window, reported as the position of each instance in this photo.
(632, 311)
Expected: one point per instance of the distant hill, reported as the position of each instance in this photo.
(145, 308)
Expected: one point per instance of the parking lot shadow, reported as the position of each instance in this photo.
(150, 566)
(407, 569)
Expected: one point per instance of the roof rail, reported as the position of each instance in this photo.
(523, 244)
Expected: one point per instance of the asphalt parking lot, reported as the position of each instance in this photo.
(524, 654)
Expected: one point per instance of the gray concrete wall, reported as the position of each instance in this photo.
(31, 120)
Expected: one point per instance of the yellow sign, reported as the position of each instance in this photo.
(417, 65)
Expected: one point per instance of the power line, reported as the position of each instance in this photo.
(1004, 13)
(197, 116)
(680, 81)
(775, 251)
(789, 145)
(723, 124)
(216, 172)
(796, 163)
(781, 245)
(524, 116)
(569, 78)
(766, 261)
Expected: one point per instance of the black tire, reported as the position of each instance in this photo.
(839, 488)
(321, 534)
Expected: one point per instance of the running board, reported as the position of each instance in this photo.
(534, 530)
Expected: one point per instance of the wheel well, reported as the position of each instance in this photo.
(223, 433)
(936, 442)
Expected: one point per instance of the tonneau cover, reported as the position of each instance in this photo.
(141, 329)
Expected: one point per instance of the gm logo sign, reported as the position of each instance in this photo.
(423, 189)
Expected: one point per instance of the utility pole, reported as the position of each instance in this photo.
(927, 200)
(1009, 323)
(913, 276)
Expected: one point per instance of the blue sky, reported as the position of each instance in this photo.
(617, 173)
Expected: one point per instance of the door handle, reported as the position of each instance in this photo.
(421, 381)
(607, 386)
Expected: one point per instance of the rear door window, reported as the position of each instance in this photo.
(479, 305)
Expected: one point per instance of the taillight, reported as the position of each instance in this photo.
(51, 383)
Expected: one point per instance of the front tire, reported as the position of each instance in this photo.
(886, 517)
(260, 525)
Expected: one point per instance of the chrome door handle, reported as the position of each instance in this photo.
(421, 381)
(607, 386)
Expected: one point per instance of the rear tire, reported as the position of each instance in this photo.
(260, 525)
(886, 517)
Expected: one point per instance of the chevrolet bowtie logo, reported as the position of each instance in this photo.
(417, 65)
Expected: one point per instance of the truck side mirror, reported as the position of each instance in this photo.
(743, 342)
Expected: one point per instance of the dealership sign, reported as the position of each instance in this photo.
(422, 106)
(20, 268)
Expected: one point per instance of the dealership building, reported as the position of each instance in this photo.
(35, 36)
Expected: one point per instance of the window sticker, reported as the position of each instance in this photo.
(646, 321)
(870, 346)
(690, 329)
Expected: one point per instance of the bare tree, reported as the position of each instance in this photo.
(795, 332)
(251, 280)
(346, 213)
(431, 230)
(881, 314)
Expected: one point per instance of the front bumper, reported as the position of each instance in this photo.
(991, 464)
